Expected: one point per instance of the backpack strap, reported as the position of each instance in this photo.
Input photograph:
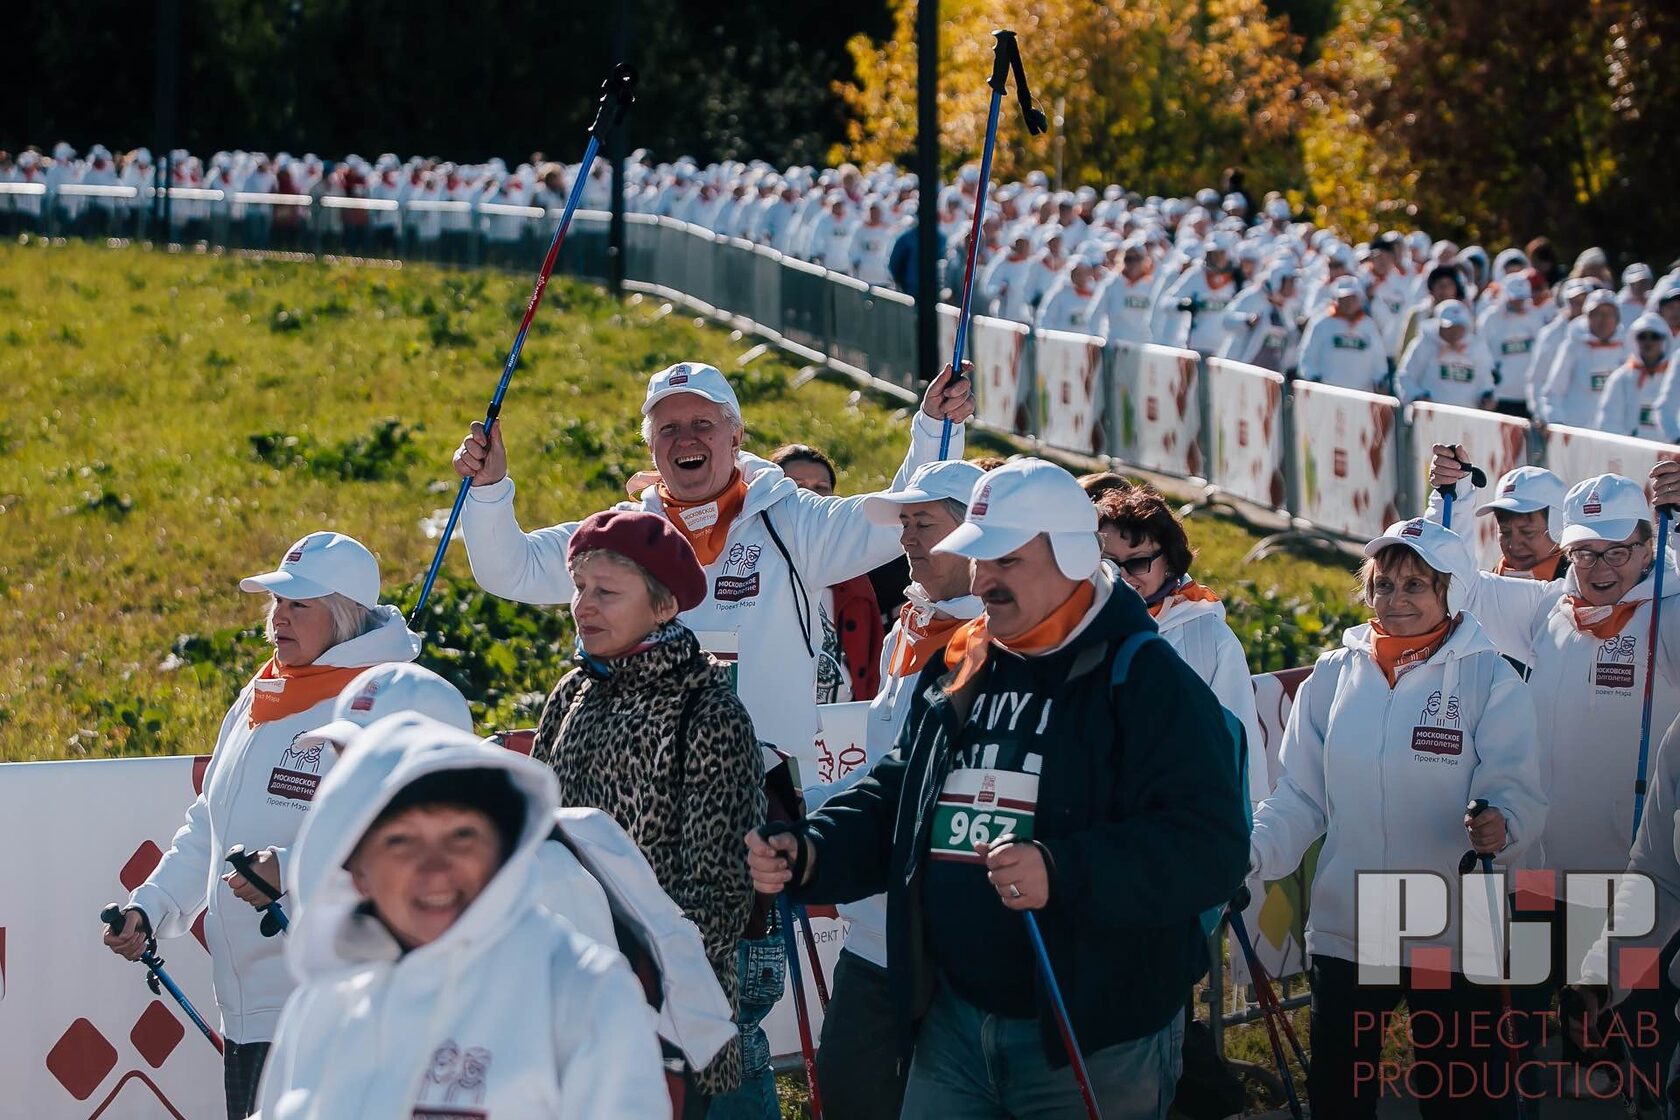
(1121, 666)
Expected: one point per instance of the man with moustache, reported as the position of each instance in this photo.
(1056, 759)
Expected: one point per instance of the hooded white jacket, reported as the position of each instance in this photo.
(1273, 330)
(1431, 370)
(1384, 774)
(256, 791)
(1200, 634)
(1201, 330)
(1347, 353)
(1511, 338)
(1646, 411)
(511, 1013)
(1127, 306)
(1574, 384)
(829, 539)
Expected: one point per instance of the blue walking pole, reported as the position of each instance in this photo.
(617, 94)
(112, 916)
(1063, 1023)
(273, 917)
(1660, 563)
(1006, 56)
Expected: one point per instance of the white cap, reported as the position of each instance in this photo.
(1517, 286)
(1650, 323)
(1452, 313)
(1436, 545)
(319, 565)
(1526, 490)
(1018, 501)
(1636, 272)
(1605, 508)
(385, 690)
(1345, 286)
(1601, 297)
(690, 377)
(932, 482)
(1278, 209)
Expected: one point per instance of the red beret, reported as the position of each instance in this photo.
(651, 541)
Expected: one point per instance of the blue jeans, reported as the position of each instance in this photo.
(970, 1065)
(762, 968)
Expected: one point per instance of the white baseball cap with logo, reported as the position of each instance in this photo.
(1018, 501)
(690, 377)
(319, 565)
(1527, 490)
(385, 690)
(1452, 313)
(932, 482)
(1605, 508)
(1436, 545)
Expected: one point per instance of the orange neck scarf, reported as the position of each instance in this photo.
(1190, 591)
(1544, 571)
(918, 641)
(284, 690)
(706, 524)
(971, 642)
(1601, 622)
(1395, 655)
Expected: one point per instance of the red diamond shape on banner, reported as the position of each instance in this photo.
(139, 865)
(156, 1033)
(200, 765)
(81, 1059)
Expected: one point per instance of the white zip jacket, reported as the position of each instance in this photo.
(1431, 370)
(1342, 352)
(256, 791)
(1066, 308)
(1588, 695)
(1511, 339)
(1384, 774)
(749, 589)
(1575, 383)
(1202, 330)
(1630, 409)
(1273, 330)
(511, 1013)
(1127, 306)
(1200, 634)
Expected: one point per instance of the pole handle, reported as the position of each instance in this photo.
(1005, 48)
(241, 861)
(618, 93)
(1468, 861)
(112, 916)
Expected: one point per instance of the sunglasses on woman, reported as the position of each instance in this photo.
(1139, 565)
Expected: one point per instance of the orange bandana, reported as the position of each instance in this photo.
(971, 642)
(917, 644)
(1602, 622)
(1190, 591)
(283, 690)
(1395, 655)
(1545, 571)
(706, 524)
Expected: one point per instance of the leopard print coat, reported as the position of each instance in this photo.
(611, 740)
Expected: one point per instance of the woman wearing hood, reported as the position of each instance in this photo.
(1639, 397)
(649, 730)
(420, 949)
(1446, 363)
(1591, 350)
(1388, 741)
(326, 625)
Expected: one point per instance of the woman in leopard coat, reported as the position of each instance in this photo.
(649, 730)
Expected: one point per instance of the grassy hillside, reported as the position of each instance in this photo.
(172, 422)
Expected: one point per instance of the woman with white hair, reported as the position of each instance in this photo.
(326, 625)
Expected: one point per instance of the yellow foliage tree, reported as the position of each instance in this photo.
(1155, 94)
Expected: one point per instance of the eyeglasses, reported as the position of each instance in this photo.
(1139, 565)
(1614, 556)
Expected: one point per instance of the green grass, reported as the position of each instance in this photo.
(175, 420)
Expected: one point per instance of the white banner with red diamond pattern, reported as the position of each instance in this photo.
(1246, 403)
(1574, 454)
(998, 349)
(83, 1036)
(1067, 369)
(1494, 442)
(1346, 460)
(1155, 413)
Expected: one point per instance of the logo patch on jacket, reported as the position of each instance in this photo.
(739, 578)
(455, 1084)
(297, 775)
(1614, 667)
(1438, 731)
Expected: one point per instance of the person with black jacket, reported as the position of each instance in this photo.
(1058, 759)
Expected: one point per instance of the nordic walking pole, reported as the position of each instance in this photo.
(1063, 1023)
(618, 92)
(1477, 479)
(1496, 914)
(1265, 996)
(804, 917)
(1660, 563)
(1006, 56)
(112, 916)
(806, 1046)
(273, 917)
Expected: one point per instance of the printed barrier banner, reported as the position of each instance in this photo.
(1495, 442)
(998, 349)
(1246, 407)
(1277, 916)
(1156, 414)
(1577, 453)
(1068, 371)
(1346, 459)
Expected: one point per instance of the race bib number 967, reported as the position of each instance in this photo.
(982, 806)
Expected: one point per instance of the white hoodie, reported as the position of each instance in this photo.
(1347, 353)
(830, 540)
(1384, 774)
(1646, 411)
(511, 1013)
(256, 791)
(1432, 370)
(1571, 392)
(1510, 338)
(1197, 630)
